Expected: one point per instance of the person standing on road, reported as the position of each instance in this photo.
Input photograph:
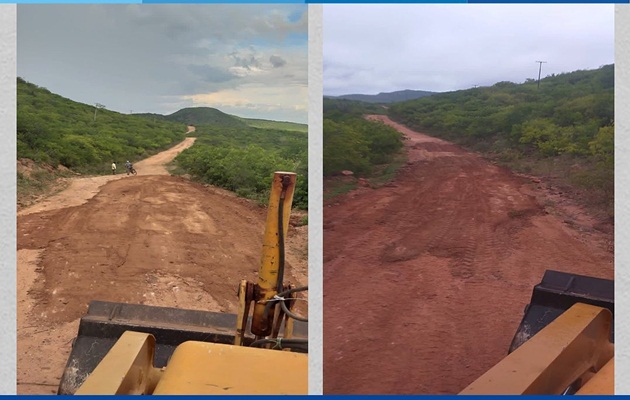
(114, 168)
(128, 166)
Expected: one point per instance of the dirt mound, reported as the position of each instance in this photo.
(28, 167)
(425, 280)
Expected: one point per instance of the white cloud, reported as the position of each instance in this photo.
(136, 56)
(440, 47)
(258, 97)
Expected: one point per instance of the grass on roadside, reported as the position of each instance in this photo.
(387, 172)
(380, 175)
(588, 183)
(334, 187)
(39, 184)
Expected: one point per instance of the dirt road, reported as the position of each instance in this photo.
(150, 239)
(425, 280)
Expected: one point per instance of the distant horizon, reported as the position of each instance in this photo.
(449, 47)
(157, 113)
(455, 90)
(218, 109)
(376, 94)
(163, 57)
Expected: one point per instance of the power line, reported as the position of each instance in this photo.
(539, 70)
(96, 107)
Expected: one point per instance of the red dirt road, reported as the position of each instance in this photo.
(150, 239)
(426, 279)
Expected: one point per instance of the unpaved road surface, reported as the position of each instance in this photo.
(148, 239)
(81, 190)
(425, 280)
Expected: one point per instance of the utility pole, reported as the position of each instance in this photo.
(539, 70)
(96, 107)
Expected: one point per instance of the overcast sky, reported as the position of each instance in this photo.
(246, 60)
(440, 47)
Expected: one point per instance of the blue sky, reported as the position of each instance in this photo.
(246, 60)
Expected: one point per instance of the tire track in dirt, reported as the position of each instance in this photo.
(425, 280)
(150, 239)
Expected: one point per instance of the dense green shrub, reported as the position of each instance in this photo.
(243, 160)
(570, 117)
(563, 116)
(229, 153)
(354, 143)
(55, 130)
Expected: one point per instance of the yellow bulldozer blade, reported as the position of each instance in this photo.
(560, 357)
(106, 322)
(196, 368)
(564, 343)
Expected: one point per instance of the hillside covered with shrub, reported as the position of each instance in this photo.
(353, 143)
(205, 116)
(383, 98)
(57, 131)
(243, 160)
(56, 136)
(211, 116)
(564, 128)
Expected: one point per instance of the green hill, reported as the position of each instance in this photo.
(353, 143)
(243, 159)
(58, 137)
(211, 116)
(205, 116)
(335, 108)
(277, 125)
(55, 134)
(152, 116)
(54, 130)
(564, 129)
(389, 97)
(563, 116)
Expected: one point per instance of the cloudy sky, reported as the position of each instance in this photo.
(246, 60)
(439, 47)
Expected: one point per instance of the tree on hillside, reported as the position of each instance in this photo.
(54, 130)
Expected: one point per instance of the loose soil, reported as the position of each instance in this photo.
(426, 279)
(151, 239)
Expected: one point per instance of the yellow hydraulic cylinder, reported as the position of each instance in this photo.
(281, 195)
